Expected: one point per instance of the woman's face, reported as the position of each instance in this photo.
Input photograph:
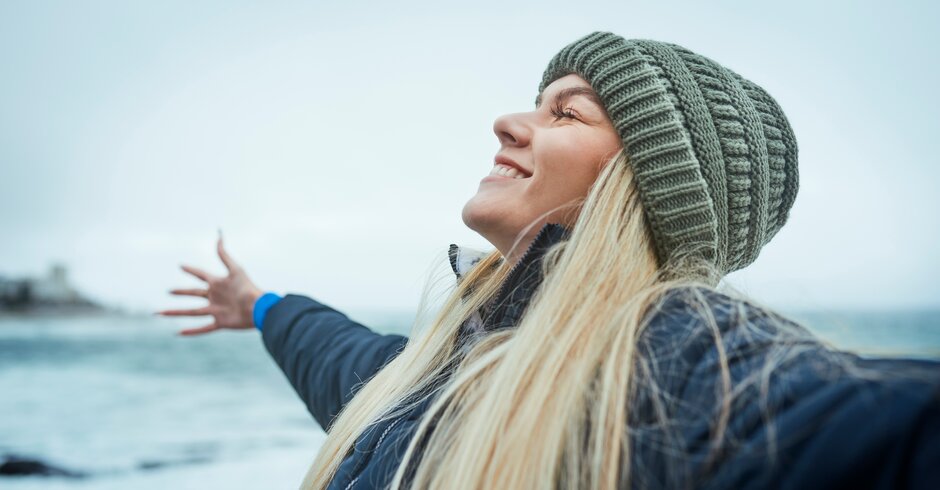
(557, 151)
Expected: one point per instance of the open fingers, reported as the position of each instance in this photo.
(202, 293)
(199, 330)
(205, 310)
(226, 258)
(201, 274)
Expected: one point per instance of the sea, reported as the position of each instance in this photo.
(122, 402)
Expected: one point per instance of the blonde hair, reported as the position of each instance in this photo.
(544, 404)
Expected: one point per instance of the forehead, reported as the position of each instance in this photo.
(566, 87)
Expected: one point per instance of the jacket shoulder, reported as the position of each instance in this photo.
(696, 326)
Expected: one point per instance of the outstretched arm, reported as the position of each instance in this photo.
(326, 356)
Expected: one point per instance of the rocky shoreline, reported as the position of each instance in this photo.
(17, 466)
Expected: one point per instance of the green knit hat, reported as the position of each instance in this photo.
(714, 156)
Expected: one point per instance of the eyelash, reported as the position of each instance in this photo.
(559, 112)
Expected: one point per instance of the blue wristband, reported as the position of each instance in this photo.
(262, 305)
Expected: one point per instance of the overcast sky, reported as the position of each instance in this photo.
(336, 146)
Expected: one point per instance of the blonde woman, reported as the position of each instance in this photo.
(591, 348)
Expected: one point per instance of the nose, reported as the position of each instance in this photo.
(511, 130)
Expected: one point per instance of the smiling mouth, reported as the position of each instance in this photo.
(507, 171)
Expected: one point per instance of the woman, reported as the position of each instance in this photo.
(591, 349)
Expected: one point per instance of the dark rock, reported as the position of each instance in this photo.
(158, 464)
(13, 465)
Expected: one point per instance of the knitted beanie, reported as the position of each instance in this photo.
(714, 157)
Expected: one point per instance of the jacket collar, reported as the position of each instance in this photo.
(524, 278)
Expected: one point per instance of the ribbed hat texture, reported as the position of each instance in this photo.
(714, 156)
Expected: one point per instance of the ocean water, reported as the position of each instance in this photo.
(132, 405)
(129, 404)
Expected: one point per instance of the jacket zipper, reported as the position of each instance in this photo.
(374, 448)
(522, 259)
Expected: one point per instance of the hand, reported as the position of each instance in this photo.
(231, 298)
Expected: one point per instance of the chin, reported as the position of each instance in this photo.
(479, 217)
(470, 216)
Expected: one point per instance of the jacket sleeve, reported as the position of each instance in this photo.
(326, 356)
(800, 416)
(847, 433)
(882, 433)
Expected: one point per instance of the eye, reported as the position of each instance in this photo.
(559, 112)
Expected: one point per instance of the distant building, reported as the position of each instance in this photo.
(52, 291)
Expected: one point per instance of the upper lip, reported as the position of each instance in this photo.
(504, 160)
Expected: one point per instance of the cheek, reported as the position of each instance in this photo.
(569, 173)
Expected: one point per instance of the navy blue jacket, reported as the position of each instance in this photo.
(805, 424)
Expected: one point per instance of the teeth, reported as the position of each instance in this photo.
(507, 171)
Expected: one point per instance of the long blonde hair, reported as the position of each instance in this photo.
(544, 404)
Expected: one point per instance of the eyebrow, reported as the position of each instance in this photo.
(564, 94)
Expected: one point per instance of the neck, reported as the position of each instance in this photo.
(534, 242)
(515, 248)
